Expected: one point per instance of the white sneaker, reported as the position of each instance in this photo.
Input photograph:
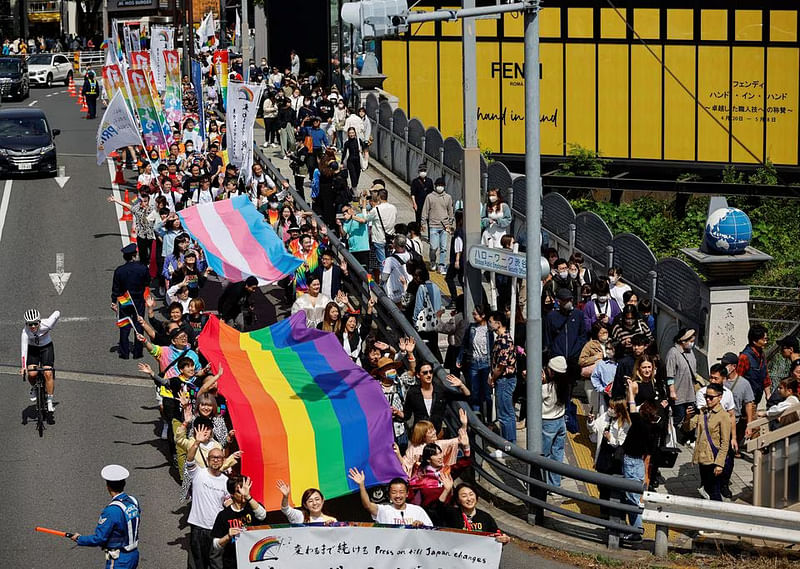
(265, 145)
(703, 493)
(32, 394)
(443, 270)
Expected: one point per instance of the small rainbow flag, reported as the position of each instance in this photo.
(124, 322)
(304, 412)
(371, 281)
(125, 299)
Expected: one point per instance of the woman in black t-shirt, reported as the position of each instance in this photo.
(464, 515)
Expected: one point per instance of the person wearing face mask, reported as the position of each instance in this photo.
(601, 308)
(598, 365)
(438, 216)
(565, 332)
(191, 133)
(616, 286)
(681, 369)
(560, 280)
(585, 276)
(421, 186)
(338, 120)
(496, 218)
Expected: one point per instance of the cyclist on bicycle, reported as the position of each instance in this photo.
(38, 352)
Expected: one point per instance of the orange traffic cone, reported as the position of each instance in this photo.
(71, 89)
(80, 98)
(126, 212)
(84, 108)
(133, 233)
(120, 178)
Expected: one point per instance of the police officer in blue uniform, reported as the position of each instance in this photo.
(117, 531)
(131, 277)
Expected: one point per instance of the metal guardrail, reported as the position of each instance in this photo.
(393, 323)
(668, 510)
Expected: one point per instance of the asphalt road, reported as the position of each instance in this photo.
(104, 412)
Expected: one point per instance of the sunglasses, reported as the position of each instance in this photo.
(710, 397)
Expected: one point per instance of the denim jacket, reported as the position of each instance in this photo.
(465, 353)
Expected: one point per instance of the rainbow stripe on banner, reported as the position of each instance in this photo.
(304, 412)
(238, 241)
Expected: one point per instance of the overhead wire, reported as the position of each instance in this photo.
(683, 86)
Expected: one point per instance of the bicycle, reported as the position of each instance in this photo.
(41, 395)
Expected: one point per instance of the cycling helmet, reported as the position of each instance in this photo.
(32, 316)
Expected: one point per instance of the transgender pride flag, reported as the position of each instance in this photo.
(238, 241)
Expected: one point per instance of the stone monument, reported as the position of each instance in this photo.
(725, 259)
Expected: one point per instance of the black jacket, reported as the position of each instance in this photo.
(414, 405)
(232, 299)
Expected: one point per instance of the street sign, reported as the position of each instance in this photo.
(498, 260)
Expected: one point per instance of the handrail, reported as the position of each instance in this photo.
(534, 461)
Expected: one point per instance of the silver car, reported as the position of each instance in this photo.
(45, 68)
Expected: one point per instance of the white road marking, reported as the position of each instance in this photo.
(123, 226)
(89, 377)
(4, 206)
(68, 319)
(60, 278)
(33, 102)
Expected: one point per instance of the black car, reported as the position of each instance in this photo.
(14, 80)
(27, 143)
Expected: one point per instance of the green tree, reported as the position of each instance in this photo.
(583, 162)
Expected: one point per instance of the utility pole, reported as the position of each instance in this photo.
(246, 40)
(533, 219)
(471, 174)
(223, 29)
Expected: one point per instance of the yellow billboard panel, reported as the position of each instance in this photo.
(679, 105)
(708, 84)
(781, 105)
(747, 105)
(646, 95)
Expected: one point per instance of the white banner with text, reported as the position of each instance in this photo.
(365, 547)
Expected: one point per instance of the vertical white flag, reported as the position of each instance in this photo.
(161, 40)
(117, 129)
(240, 118)
(237, 30)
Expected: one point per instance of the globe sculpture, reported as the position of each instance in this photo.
(728, 231)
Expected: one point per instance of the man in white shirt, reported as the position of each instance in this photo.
(209, 492)
(382, 218)
(715, 375)
(397, 512)
(394, 274)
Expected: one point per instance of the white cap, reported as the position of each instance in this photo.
(558, 364)
(114, 473)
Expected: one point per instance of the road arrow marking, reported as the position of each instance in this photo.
(62, 177)
(60, 278)
(33, 102)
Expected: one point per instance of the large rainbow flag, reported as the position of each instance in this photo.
(303, 411)
(238, 241)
